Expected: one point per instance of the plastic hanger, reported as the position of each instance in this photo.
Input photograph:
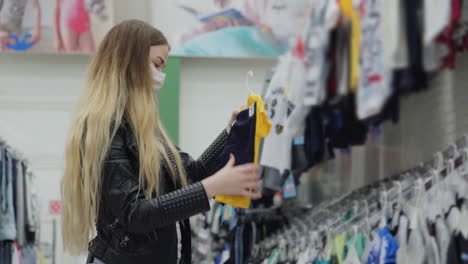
(399, 203)
(384, 202)
(411, 207)
(447, 199)
(433, 204)
(461, 182)
(248, 76)
(462, 226)
(366, 221)
(438, 161)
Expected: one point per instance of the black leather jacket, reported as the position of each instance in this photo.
(131, 229)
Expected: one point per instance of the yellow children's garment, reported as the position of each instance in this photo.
(339, 247)
(263, 125)
(347, 7)
(262, 129)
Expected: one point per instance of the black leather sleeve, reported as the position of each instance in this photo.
(141, 216)
(198, 170)
(122, 195)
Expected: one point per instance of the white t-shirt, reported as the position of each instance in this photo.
(276, 151)
(416, 249)
(352, 257)
(295, 123)
(443, 239)
(436, 18)
(402, 254)
(323, 18)
(374, 83)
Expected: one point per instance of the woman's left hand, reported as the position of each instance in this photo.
(233, 118)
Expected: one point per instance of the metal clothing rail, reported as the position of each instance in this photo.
(327, 218)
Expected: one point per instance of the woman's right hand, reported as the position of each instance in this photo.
(234, 180)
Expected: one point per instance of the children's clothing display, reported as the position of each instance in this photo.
(334, 96)
(341, 80)
(386, 222)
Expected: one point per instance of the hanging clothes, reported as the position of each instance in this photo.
(276, 150)
(262, 125)
(414, 28)
(374, 82)
(324, 17)
(20, 205)
(7, 208)
(383, 247)
(295, 124)
(436, 19)
(343, 58)
(240, 143)
(251, 126)
(349, 11)
(458, 250)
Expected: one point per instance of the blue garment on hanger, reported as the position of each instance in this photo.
(385, 244)
(233, 221)
(8, 229)
(241, 139)
(239, 245)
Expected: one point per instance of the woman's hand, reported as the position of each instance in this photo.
(233, 118)
(234, 180)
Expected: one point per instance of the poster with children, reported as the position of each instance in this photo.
(230, 28)
(54, 26)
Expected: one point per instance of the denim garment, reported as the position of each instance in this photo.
(7, 213)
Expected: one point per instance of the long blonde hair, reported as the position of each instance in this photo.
(119, 85)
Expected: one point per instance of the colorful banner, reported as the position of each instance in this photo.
(230, 28)
(50, 26)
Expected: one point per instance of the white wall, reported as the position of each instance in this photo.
(210, 90)
(38, 92)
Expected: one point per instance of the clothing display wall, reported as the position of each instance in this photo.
(417, 216)
(18, 212)
(346, 75)
(426, 121)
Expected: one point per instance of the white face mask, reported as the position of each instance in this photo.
(158, 79)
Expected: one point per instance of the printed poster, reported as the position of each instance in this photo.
(54, 26)
(230, 28)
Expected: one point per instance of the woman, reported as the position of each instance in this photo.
(122, 172)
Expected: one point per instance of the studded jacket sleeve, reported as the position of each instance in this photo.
(122, 195)
(205, 166)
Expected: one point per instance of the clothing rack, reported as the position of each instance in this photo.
(326, 219)
(340, 106)
(19, 221)
(18, 155)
